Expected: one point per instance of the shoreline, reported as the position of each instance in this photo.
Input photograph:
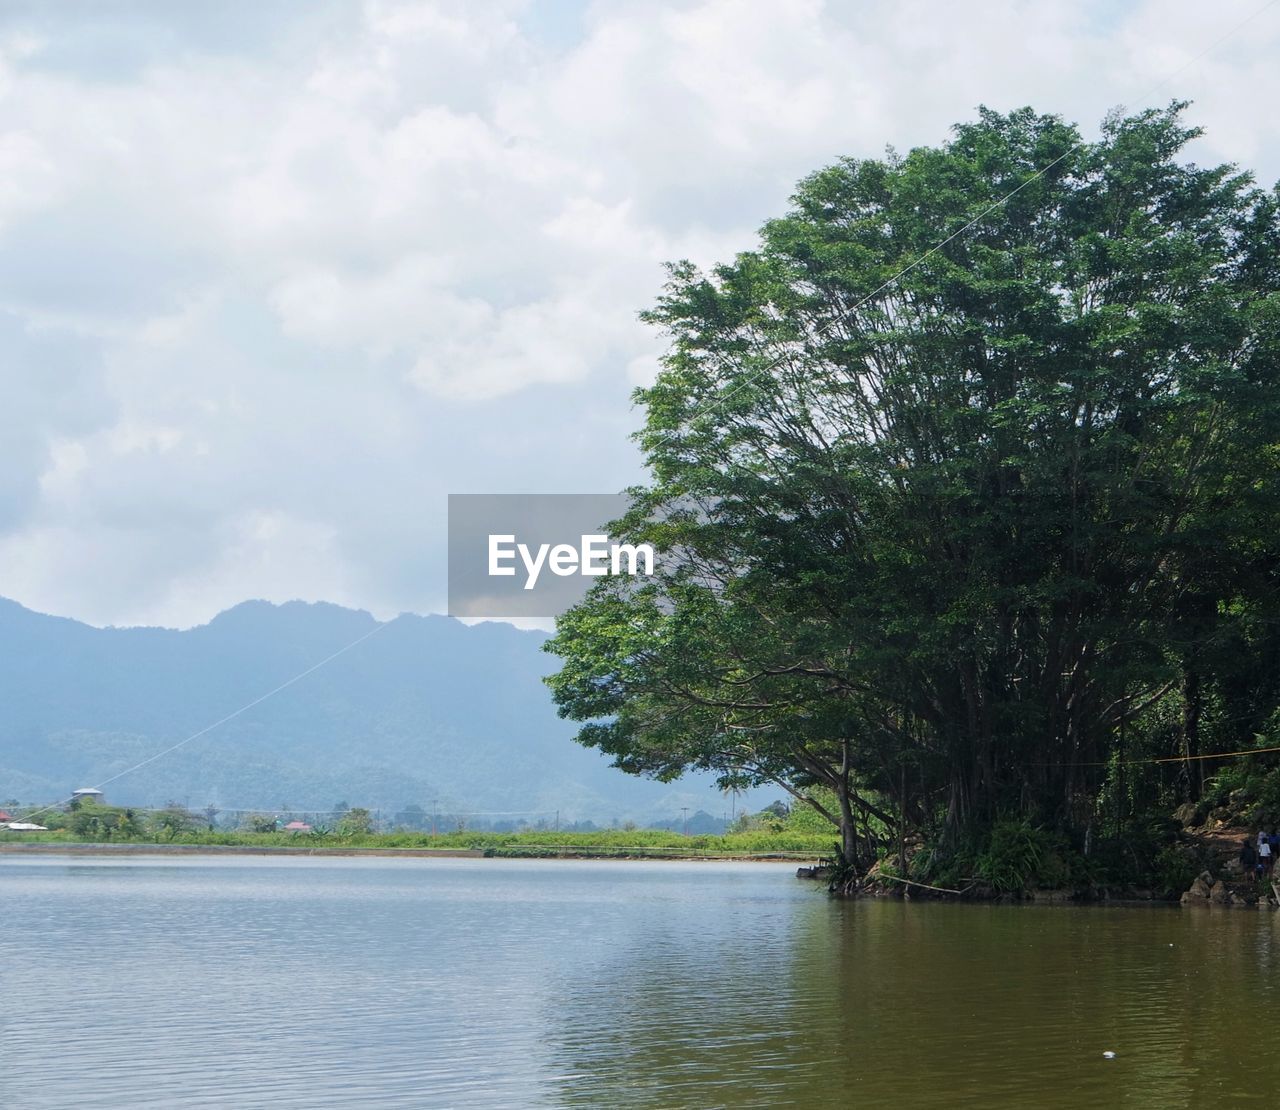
(86, 848)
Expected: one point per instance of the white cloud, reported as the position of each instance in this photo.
(269, 291)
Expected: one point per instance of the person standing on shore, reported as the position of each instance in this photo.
(1264, 853)
(1248, 859)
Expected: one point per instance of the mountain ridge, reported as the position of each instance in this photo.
(425, 711)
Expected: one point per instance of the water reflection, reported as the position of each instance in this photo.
(871, 1003)
(312, 982)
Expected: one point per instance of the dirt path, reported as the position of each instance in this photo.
(1222, 845)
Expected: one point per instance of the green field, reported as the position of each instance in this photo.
(614, 843)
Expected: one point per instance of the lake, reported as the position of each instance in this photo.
(307, 982)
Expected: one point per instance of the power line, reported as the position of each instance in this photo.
(230, 716)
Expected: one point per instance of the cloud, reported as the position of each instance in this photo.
(276, 279)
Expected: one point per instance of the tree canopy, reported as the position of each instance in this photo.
(965, 481)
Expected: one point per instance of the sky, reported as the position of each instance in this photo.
(278, 277)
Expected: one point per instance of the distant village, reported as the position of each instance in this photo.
(86, 811)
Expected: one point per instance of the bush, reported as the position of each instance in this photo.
(1174, 869)
(1010, 856)
(1011, 861)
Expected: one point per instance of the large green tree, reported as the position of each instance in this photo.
(961, 471)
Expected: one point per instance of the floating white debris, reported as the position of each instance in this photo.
(1108, 1055)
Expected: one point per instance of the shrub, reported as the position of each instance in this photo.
(1011, 861)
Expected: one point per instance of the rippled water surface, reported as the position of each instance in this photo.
(299, 982)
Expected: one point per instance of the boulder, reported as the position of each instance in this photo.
(1187, 814)
(1219, 894)
(1199, 890)
(1201, 887)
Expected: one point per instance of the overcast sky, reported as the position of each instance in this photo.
(277, 277)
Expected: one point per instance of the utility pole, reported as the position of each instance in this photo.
(435, 813)
(684, 811)
(557, 820)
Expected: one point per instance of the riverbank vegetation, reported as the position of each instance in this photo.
(768, 834)
(966, 483)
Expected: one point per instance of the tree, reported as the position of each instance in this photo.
(172, 821)
(413, 816)
(955, 477)
(90, 821)
(357, 821)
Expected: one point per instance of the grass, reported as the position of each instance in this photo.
(608, 843)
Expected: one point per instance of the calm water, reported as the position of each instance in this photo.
(311, 983)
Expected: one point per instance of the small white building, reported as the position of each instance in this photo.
(89, 794)
(24, 826)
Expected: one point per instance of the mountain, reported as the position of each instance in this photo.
(427, 711)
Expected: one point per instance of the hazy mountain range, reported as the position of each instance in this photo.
(427, 711)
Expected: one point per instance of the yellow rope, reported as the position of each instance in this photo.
(1212, 755)
(1161, 759)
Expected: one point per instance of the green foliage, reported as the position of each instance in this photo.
(618, 842)
(97, 822)
(1012, 857)
(804, 818)
(774, 818)
(1173, 870)
(966, 534)
(1248, 791)
(355, 822)
(172, 821)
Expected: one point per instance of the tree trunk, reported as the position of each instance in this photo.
(848, 825)
(902, 822)
(1191, 706)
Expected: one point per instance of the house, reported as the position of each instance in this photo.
(297, 827)
(5, 816)
(89, 794)
(25, 826)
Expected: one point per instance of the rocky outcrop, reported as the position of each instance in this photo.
(1188, 814)
(1200, 890)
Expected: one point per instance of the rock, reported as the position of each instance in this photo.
(1199, 890)
(1218, 893)
(1187, 814)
